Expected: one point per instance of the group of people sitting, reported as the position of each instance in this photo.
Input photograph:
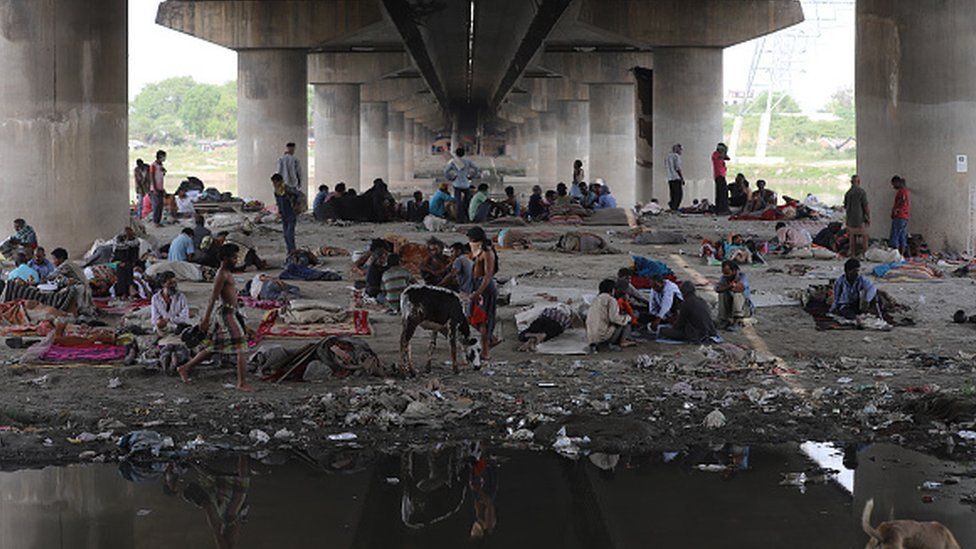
(468, 268)
(200, 245)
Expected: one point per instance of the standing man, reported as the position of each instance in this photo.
(141, 175)
(460, 171)
(676, 179)
(291, 170)
(285, 197)
(157, 178)
(719, 157)
(228, 334)
(900, 212)
(858, 215)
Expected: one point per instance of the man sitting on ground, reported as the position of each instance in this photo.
(23, 272)
(606, 326)
(537, 210)
(436, 265)
(68, 274)
(734, 302)
(761, 199)
(562, 195)
(181, 248)
(170, 312)
(183, 204)
(665, 300)
(439, 202)
(395, 280)
(606, 199)
(791, 237)
(416, 209)
(694, 320)
(637, 299)
(338, 192)
(551, 323)
(854, 294)
(41, 264)
(200, 231)
(477, 213)
(320, 197)
(23, 237)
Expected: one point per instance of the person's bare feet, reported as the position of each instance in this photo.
(626, 343)
(495, 341)
(245, 387)
(184, 375)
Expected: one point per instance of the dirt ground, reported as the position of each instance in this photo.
(784, 381)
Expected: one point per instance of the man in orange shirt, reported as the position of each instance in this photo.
(900, 212)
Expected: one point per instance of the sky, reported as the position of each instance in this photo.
(823, 61)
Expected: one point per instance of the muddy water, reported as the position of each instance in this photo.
(726, 496)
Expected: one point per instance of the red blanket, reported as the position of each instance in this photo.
(104, 305)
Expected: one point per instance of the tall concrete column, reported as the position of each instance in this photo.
(572, 138)
(272, 110)
(687, 110)
(409, 149)
(336, 134)
(531, 147)
(612, 139)
(63, 114)
(395, 143)
(373, 143)
(916, 111)
(548, 156)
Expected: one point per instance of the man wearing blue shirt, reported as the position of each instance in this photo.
(181, 248)
(734, 301)
(853, 293)
(606, 200)
(438, 202)
(23, 271)
(41, 264)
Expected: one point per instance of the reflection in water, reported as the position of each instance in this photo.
(449, 495)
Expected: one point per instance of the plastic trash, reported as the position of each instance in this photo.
(567, 446)
(114, 383)
(343, 437)
(930, 486)
(283, 434)
(714, 420)
(144, 441)
(258, 436)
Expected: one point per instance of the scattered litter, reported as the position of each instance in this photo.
(547, 385)
(967, 435)
(138, 442)
(567, 446)
(343, 437)
(258, 436)
(87, 455)
(521, 435)
(711, 467)
(392, 481)
(283, 434)
(930, 486)
(143, 512)
(714, 420)
(844, 380)
(114, 383)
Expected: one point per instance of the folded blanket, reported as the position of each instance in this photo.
(356, 324)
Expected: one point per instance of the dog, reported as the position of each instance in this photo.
(440, 311)
(906, 534)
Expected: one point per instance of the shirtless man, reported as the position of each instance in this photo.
(228, 334)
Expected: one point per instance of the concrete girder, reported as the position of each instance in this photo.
(596, 67)
(689, 23)
(355, 67)
(555, 89)
(246, 24)
(410, 102)
(391, 89)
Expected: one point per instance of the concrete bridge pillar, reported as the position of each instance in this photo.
(573, 138)
(337, 134)
(687, 110)
(531, 147)
(272, 110)
(612, 139)
(548, 156)
(916, 112)
(409, 149)
(395, 123)
(63, 120)
(373, 143)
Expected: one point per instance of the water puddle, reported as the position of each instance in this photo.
(788, 495)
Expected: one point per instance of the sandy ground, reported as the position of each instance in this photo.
(788, 383)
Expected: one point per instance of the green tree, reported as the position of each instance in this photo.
(782, 103)
(841, 103)
(197, 108)
(179, 109)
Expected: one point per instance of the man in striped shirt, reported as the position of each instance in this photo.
(395, 280)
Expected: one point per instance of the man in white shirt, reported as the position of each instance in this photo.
(676, 179)
(665, 298)
(170, 311)
(291, 170)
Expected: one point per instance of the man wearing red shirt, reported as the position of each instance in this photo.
(899, 215)
(721, 185)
